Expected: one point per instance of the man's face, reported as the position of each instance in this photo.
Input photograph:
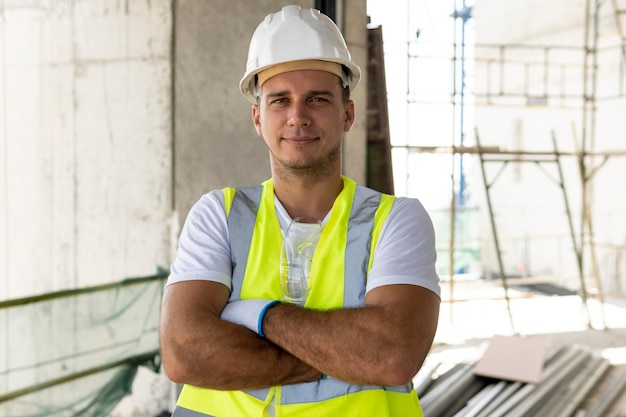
(302, 116)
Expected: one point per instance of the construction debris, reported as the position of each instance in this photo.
(569, 374)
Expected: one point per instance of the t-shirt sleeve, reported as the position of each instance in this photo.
(203, 247)
(405, 252)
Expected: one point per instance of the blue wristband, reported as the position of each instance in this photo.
(262, 316)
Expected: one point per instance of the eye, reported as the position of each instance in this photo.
(318, 99)
(280, 100)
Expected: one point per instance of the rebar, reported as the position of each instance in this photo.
(609, 398)
(482, 399)
(578, 389)
(439, 398)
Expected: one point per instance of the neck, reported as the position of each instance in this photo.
(304, 198)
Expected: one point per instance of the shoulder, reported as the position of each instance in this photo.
(402, 206)
(405, 252)
(409, 210)
(210, 201)
(210, 205)
(409, 224)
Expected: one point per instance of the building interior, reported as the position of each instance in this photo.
(504, 119)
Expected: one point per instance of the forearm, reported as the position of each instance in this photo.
(232, 358)
(343, 344)
(380, 344)
(199, 348)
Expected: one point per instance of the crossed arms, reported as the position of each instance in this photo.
(383, 343)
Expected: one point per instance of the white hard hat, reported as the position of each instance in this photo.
(296, 34)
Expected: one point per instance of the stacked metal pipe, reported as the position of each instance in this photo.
(570, 373)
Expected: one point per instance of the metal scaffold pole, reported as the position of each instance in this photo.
(496, 242)
(577, 249)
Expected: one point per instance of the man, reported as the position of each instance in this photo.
(229, 330)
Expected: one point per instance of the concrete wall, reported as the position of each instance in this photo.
(85, 143)
(355, 144)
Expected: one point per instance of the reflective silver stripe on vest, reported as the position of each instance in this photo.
(358, 245)
(260, 393)
(328, 389)
(184, 412)
(241, 222)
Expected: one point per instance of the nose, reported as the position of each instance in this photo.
(299, 114)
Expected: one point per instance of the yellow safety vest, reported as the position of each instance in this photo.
(357, 217)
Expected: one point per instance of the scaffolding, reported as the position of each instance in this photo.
(549, 81)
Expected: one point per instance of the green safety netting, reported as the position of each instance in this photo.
(76, 352)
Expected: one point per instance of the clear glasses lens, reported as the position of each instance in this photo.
(299, 245)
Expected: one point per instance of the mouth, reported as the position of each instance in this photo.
(300, 140)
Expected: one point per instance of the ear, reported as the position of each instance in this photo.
(348, 116)
(256, 119)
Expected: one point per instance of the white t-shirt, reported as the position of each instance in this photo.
(405, 252)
